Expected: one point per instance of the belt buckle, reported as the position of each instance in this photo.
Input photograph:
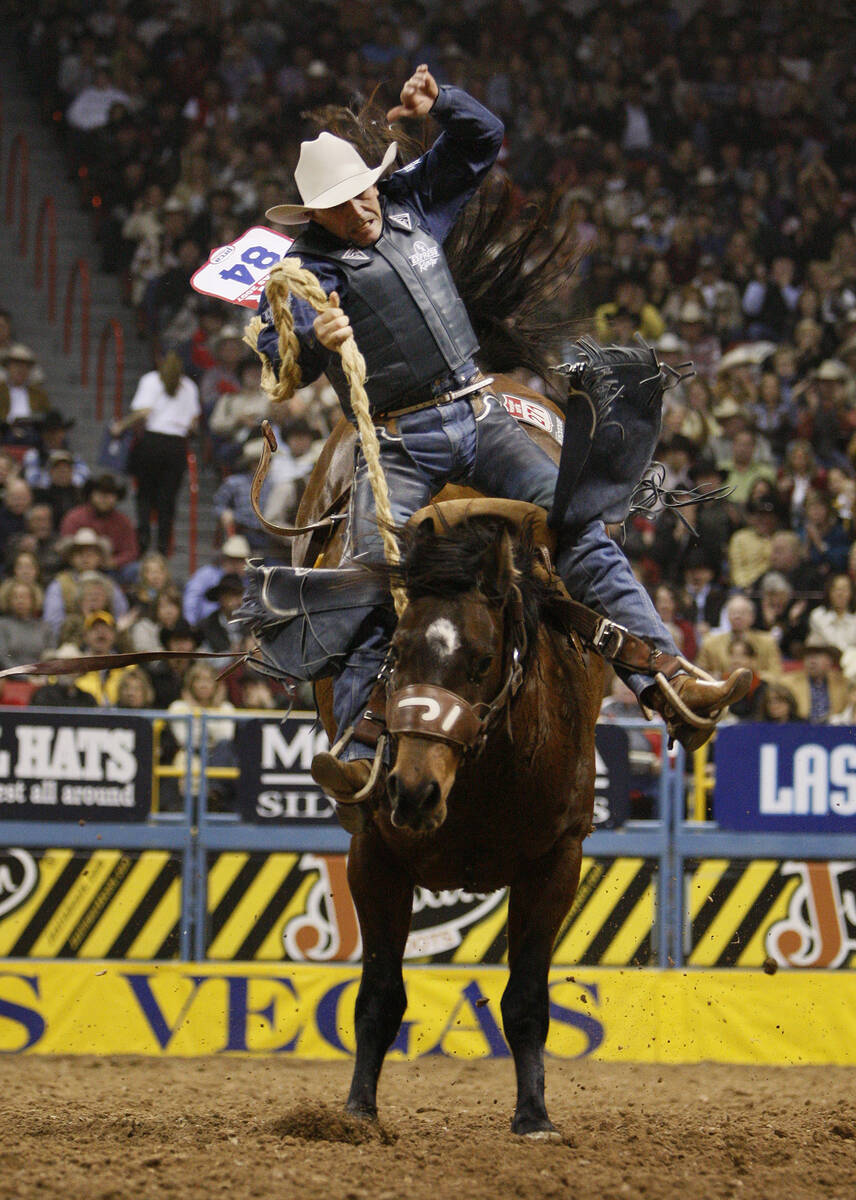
(608, 638)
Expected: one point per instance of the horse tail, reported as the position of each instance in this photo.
(511, 277)
(367, 130)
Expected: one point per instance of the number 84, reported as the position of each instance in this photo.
(256, 256)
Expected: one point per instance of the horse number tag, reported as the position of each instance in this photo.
(238, 272)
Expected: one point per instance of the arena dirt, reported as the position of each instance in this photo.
(134, 1127)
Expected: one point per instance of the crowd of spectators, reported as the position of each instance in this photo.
(77, 579)
(706, 156)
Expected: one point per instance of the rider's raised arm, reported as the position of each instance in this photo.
(441, 182)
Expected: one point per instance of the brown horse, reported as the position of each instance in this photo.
(492, 708)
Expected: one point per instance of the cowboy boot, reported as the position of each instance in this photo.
(703, 698)
(341, 781)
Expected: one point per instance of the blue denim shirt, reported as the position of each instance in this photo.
(436, 187)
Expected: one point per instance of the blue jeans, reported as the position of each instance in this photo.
(422, 451)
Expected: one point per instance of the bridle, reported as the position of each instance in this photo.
(426, 710)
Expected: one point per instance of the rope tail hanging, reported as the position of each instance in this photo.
(287, 277)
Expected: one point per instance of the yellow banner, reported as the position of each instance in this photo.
(307, 1012)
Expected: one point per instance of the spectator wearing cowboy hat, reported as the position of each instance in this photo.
(232, 559)
(85, 551)
(36, 462)
(98, 511)
(819, 686)
(61, 493)
(749, 547)
(703, 345)
(216, 630)
(22, 403)
(166, 675)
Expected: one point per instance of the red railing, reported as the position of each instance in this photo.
(18, 172)
(46, 220)
(193, 480)
(112, 332)
(79, 270)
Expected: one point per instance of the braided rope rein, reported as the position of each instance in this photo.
(288, 277)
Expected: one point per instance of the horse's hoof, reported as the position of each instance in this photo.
(535, 1128)
(543, 1135)
(361, 1112)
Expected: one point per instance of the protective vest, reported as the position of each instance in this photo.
(409, 322)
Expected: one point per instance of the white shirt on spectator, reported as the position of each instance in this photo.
(172, 415)
(91, 108)
(19, 403)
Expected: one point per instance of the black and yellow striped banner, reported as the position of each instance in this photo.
(91, 904)
(297, 906)
(740, 912)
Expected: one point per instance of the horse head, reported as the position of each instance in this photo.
(455, 661)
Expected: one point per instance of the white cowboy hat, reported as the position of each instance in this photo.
(328, 172)
(236, 546)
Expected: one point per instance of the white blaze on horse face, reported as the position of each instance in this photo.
(443, 637)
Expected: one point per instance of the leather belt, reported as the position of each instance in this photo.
(475, 385)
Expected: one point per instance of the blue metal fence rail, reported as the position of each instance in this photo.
(194, 832)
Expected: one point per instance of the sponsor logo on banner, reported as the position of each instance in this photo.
(424, 256)
(274, 784)
(107, 903)
(785, 778)
(307, 1013)
(58, 769)
(820, 928)
(18, 878)
(612, 777)
(328, 931)
(301, 909)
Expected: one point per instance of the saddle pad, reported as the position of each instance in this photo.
(445, 513)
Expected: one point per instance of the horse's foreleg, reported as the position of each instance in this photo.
(538, 902)
(383, 896)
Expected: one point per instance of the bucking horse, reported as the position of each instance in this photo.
(487, 701)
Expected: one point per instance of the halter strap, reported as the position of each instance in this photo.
(426, 710)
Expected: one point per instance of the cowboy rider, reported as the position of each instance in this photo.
(376, 248)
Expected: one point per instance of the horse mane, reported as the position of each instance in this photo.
(449, 564)
(507, 274)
